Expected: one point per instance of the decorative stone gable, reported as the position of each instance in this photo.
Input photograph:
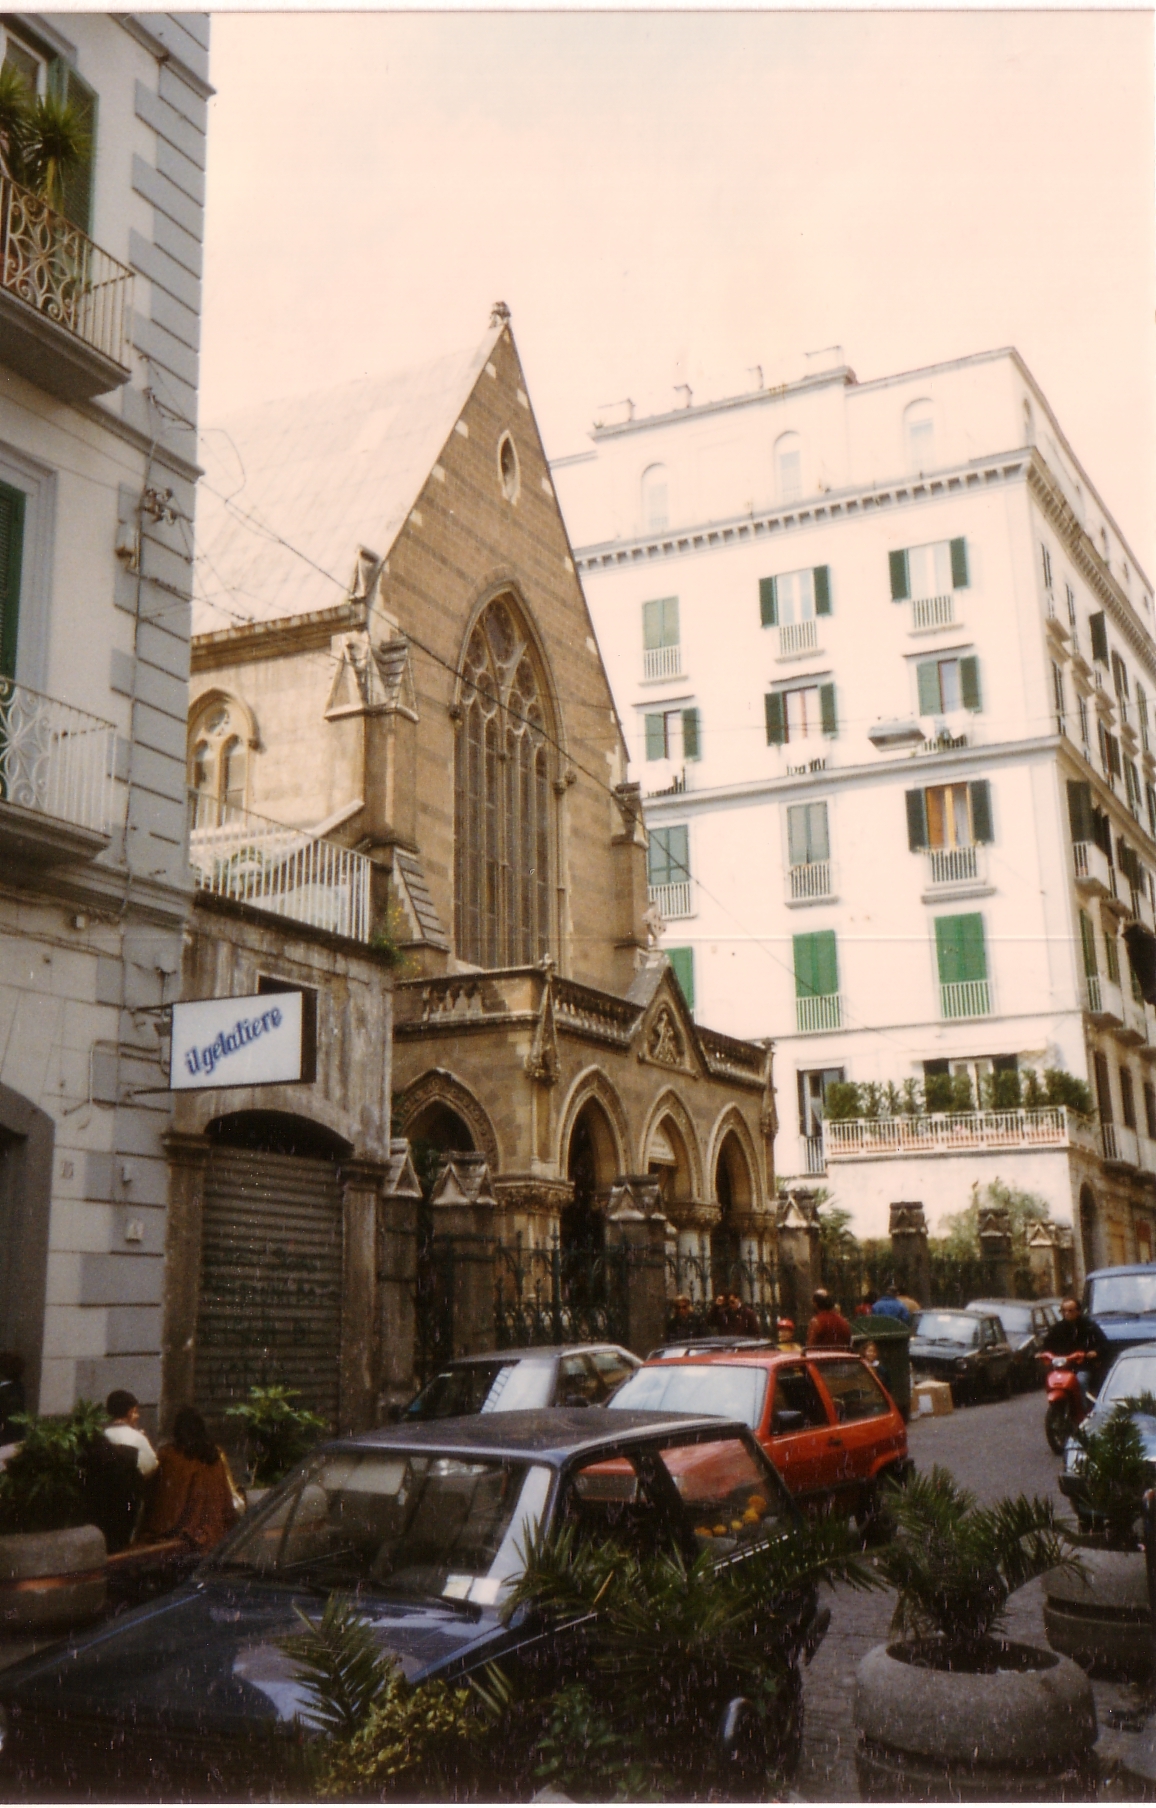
(664, 1042)
(463, 1180)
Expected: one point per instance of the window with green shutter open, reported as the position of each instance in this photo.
(949, 816)
(795, 596)
(936, 569)
(816, 964)
(668, 855)
(673, 734)
(800, 713)
(946, 685)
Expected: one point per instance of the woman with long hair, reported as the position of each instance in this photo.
(192, 1496)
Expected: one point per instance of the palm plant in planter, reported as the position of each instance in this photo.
(278, 1432)
(951, 1709)
(51, 1559)
(1100, 1614)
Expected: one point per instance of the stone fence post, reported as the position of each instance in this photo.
(637, 1227)
(463, 1205)
(995, 1243)
(397, 1279)
(799, 1264)
(1044, 1261)
(910, 1257)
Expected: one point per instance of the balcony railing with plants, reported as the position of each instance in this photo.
(1053, 1127)
(1017, 1109)
(56, 269)
(55, 759)
(290, 872)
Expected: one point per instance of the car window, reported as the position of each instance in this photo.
(725, 1390)
(796, 1392)
(1129, 1379)
(608, 1500)
(577, 1382)
(729, 1493)
(996, 1331)
(947, 1327)
(613, 1366)
(1015, 1318)
(472, 1387)
(1123, 1293)
(854, 1389)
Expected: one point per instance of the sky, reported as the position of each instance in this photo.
(675, 197)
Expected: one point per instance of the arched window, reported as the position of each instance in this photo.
(919, 435)
(789, 467)
(218, 760)
(655, 499)
(501, 799)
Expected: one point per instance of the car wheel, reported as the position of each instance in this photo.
(1058, 1426)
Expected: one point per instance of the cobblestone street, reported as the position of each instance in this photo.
(995, 1450)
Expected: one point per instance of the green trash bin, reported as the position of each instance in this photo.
(892, 1338)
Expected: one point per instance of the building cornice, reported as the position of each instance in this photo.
(138, 27)
(277, 639)
(842, 374)
(1082, 551)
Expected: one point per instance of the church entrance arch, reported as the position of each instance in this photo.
(734, 1192)
(591, 1163)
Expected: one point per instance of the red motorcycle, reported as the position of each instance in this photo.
(1068, 1404)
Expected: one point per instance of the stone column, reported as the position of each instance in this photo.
(1044, 1260)
(188, 1158)
(910, 1257)
(799, 1270)
(400, 1199)
(358, 1372)
(996, 1247)
(462, 1203)
(636, 1225)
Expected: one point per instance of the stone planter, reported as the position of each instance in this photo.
(1101, 1618)
(51, 1580)
(1020, 1730)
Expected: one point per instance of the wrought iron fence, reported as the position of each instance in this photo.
(544, 1293)
(53, 758)
(754, 1283)
(55, 268)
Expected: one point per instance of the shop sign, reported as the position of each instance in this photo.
(221, 1042)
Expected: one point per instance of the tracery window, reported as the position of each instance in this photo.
(218, 761)
(501, 799)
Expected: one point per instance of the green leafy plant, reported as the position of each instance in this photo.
(954, 1564)
(1062, 1088)
(278, 1431)
(44, 137)
(43, 1485)
(1116, 1470)
(841, 1101)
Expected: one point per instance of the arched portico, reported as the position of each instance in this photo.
(437, 1108)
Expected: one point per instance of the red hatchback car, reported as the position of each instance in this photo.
(827, 1423)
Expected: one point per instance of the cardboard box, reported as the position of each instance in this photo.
(930, 1398)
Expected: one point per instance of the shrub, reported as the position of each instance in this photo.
(43, 1487)
(1116, 1471)
(1062, 1088)
(278, 1432)
(841, 1101)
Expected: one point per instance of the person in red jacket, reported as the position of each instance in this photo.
(828, 1329)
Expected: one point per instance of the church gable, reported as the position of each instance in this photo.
(666, 1034)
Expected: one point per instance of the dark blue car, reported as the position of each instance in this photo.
(1122, 1301)
(194, 1698)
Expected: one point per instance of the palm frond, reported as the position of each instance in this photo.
(341, 1664)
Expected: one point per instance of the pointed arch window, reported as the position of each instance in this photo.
(502, 798)
(219, 741)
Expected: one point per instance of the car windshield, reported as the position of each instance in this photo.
(724, 1390)
(411, 1523)
(473, 1387)
(1129, 1379)
(946, 1327)
(1015, 1319)
(1123, 1293)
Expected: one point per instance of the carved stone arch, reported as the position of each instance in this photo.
(592, 1083)
(247, 721)
(669, 1104)
(731, 1122)
(437, 1086)
(220, 741)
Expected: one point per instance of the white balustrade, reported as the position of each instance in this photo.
(1120, 1144)
(55, 268)
(54, 759)
(811, 879)
(965, 998)
(816, 1012)
(1051, 1126)
(1095, 994)
(662, 662)
(932, 612)
(953, 866)
(290, 872)
(798, 637)
(814, 1158)
(673, 900)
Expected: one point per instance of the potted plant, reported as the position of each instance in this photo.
(950, 1710)
(52, 1560)
(278, 1433)
(1099, 1613)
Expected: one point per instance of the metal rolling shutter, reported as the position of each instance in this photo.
(270, 1304)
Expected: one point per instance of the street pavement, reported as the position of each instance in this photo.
(993, 1449)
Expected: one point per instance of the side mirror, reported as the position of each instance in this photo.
(787, 1420)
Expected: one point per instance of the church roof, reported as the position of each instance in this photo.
(329, 473)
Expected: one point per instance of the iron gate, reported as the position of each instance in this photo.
(755, 1283)
(546, 1294)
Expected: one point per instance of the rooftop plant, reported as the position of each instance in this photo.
(1010, 1089)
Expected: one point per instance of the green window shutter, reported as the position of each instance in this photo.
(816, 965)
(980, 791)
(900, 587)
(959, 564)
(822, 575)
(930, 702)
(776, 719)
(75, 202)
(804, 965)
(1088, 943)
(1112, 956)
(827, 717)
(670, 621)
(768, 603)
(969, 682)
(656, 737)
(11, 560)
(1080, 810)
(818, 837)
(691, 743)
(916, 821)
(1099, 632)
(651, 625)
(657, 862)
(682, 966)
(678, 852)
(960, 950)
(798, 844)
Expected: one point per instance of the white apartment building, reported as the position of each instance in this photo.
(886, 664)
(99, 327)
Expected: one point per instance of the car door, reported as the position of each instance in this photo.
(996, 1354)
(864, 1418)
(800, 1436)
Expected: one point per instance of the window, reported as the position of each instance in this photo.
(807, 836)
(74, 196)
(1109, 753)
(508, 468)
(682, 966)
(961, 956)
(1070, 596)
(219, 737)
(1150, 795)
(1132, 786)
(1088, 945)
(661, 653)
(1150, 1110)
(816, 965)
(796, 596)
(1112, 955)
(789, 467)
(1127, 1098)
(1082, 709)
(672, 734)
(813, 1086)
(655, 499)
(1046, 561)
(949, 816)
(1142, 715)
(919, 433)
(1103, 1091)
(1099, 633)
(668, 870)
(800, 714)
(11, 560)
(796, 1392)
(948, 684)
(1058, 698)
(926, 571)
(854, 1390)
(502, 800)
(1120, 677)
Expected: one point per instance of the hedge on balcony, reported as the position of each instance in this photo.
(1007, 1090)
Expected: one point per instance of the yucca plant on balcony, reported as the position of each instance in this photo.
(43, 138)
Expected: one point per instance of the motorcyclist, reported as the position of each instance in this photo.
(1075, 1331)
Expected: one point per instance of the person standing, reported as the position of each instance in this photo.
(123, 1410)
(889, 1305)
(828, 1329)
(192, 1498)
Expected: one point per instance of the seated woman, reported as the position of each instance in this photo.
(192, 1492)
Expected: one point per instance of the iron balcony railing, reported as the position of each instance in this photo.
(1120, 1144)
(55, 268)
(290, 872)
(673, 900)
(662, 662)
(810, 879)
(1050, 1127)
(55, 759)
(818, 1011)
(953, 866)
(814, 1155)
(965, 998)
(932, 612)
(798, 637)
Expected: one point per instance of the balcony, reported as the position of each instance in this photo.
(964, 998)
(1051, 1127)
(798, 637)
(65, 305)
(56, 767)
(931, 612)
(1133, 1031)
(662, 662)
(1104, 1002)
(814, 1155)
(941, 743)
(287, 872)
(1058, 626)
(817, 1012)
(1121, 1145)
(1094, 875)
(809, 882)
(673, 900)
(960, 870)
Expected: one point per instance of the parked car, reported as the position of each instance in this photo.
(569, 1374)
(1025, 1324)
(966, 1349)
(1122, 1301)
(1131, 1376)
(827, 1423)
(194, 1698)
(692, 1346)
